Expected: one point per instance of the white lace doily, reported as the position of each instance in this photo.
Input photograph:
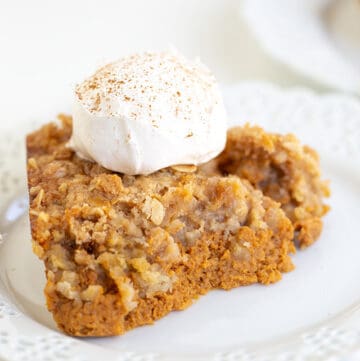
(331, 123)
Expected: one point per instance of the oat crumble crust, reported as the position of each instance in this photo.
(282, 169)
(123, 251)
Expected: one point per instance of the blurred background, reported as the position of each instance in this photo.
(48, 46)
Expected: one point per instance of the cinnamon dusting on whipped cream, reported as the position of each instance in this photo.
(148, 111)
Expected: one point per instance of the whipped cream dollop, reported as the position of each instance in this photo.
(149, 111)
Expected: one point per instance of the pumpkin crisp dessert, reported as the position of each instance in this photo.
(142, 201)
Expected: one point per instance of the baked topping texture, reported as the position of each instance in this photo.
(283, 170)
(122, 251)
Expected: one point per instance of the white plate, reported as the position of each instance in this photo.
(312, 314)
(318, 38)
